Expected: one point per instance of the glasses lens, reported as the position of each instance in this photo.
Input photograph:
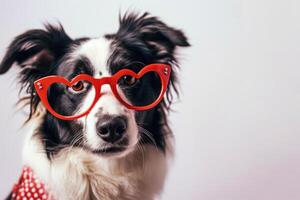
(73, 100)
(140, 92)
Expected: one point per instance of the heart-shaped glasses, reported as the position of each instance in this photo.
(137, 91)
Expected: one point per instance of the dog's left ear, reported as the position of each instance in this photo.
(160, 36)
(156, 40)
(139, 30)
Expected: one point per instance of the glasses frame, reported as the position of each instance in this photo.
(42, 85)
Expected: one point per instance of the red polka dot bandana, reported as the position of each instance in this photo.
(29, 187)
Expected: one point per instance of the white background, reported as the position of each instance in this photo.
(237, 125)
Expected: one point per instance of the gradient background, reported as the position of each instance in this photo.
(237, 125)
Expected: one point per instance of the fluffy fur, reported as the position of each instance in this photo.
(69, 156)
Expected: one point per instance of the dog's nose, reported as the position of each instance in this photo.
(111, 129)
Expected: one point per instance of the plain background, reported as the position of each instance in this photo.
(237, 125)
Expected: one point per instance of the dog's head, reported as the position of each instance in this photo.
(110, 128)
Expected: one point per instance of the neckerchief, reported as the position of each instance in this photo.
(29, 187)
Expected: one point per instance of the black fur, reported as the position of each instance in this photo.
(143, 40)
(9, 196)
(140, 40)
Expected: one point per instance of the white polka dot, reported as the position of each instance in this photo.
(31, 185)
(24, 198)
(41, 191)
(28, 194)
(22, 194)
(38, 185)
(35, 195)
(33, 190)
(31, 198)
(44, 196)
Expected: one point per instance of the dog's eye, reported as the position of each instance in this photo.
(77, 87)
(128, 81)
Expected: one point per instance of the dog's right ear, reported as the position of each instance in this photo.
(36, 52)
(36, 48)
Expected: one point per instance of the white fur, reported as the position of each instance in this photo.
(97, 51)
(78, 174)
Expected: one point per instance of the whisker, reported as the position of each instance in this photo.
(149, 136)
(140, 147)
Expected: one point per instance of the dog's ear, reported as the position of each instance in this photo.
(37, 49)
(159, 38)
(157, 35)
(153, 37)
(35, 52)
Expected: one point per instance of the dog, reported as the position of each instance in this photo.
(69, 158)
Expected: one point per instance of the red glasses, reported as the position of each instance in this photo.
(126, 86)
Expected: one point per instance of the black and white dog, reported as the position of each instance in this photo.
(70, 157)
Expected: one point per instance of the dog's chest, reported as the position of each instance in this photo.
(76, 174)
(84, 176)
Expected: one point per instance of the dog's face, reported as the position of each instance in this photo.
(110, 129)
